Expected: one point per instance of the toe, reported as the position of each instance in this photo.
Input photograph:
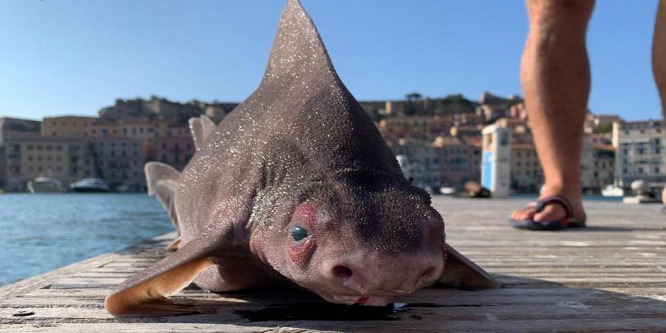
(523, 214)
(550, 213)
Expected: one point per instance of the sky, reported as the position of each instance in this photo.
(74, 57)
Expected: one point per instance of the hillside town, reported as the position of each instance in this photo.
(438, 143)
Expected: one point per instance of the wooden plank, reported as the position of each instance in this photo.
(610, 277)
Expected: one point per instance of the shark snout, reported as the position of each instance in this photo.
(377, 275)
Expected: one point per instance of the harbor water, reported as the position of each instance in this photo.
(42, 232)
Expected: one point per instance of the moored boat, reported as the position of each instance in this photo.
(90, 185)
(612, 191)
(44, 185)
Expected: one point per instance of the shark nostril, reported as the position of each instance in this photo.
(342, 272)
(428, 276)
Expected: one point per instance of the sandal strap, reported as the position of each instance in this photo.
(564, 202)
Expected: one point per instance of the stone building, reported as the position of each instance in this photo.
(595, 121)
(117, 160)
(520, 129)
(175, 150)
(162, 109)
(59, 158)
(526, 172)
(604, 166)
(640, 152)
(493, 107)
(424, 160)
(460, 160)
(14, 128)
(67, 126)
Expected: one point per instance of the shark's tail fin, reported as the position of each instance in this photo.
(162, 180)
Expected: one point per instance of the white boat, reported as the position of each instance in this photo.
(90, 185)
(447, 190)
(44, 185)
(612, 191)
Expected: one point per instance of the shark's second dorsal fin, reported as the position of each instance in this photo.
(201, 128)
(162, 181)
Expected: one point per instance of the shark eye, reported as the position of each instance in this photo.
(298, 233)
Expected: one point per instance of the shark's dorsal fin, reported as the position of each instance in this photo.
(201, 127)
(298, 52)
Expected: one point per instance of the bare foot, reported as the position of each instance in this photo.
(552, 212)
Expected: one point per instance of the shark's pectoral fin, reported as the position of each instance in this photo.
(175, 245)
(146, 294)
(201, 128)
(462, 273)
(162, 181)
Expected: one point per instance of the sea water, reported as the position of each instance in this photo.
(42, 232)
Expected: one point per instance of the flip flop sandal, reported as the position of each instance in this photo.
(539, 206)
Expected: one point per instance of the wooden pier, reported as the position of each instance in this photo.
(608, 277)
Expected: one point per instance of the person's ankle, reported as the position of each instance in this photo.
(571, 192)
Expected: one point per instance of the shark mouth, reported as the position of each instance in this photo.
(361, 300)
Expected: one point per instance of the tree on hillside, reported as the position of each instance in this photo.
(413, 97)
(409, 108)
(452, 104)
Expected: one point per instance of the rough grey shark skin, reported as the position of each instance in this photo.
(299, 154)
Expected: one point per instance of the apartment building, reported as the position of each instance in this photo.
(640, 152)
(174, 150)
(117, 160)
(526, 172)
(424, 160)
(28, 158)
(67, 126)
(14, 128)
(460, 160)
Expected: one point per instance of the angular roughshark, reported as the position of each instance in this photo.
(295, 184)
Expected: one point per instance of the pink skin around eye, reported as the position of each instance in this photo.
(304, 215)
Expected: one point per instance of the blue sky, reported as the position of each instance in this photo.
(76, 56)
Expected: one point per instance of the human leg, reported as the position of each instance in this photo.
(555, 76)
(659, 61)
